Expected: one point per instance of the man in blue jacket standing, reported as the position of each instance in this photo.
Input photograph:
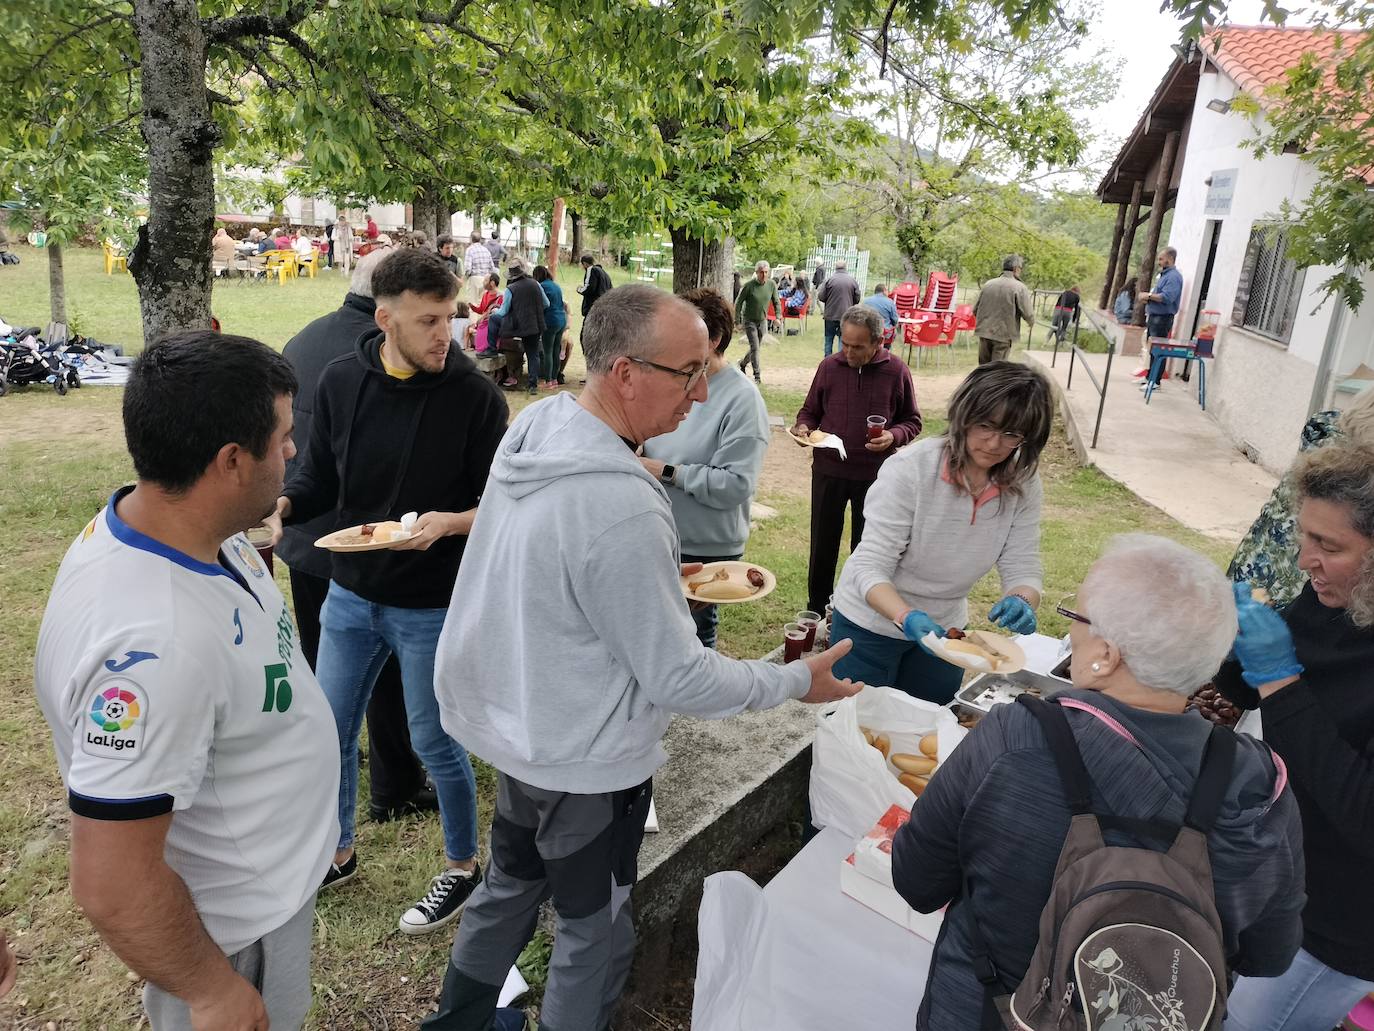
(1161, 303)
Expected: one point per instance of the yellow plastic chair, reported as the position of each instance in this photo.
(309, 265)
(282, 264)
(114, 260)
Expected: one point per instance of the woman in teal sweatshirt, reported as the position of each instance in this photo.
(710, 464)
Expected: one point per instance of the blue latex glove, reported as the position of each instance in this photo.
(1015, 614)
(1264, 646)
(917, 624)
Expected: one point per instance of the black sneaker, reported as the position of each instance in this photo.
(337, 874)
(423, 801)
(448, 894)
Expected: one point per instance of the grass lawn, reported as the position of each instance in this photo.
(62, 458)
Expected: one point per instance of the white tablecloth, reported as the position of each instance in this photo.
(800, 955)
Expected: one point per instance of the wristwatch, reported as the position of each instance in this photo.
(669, 474)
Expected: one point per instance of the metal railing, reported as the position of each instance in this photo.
(1077, 352)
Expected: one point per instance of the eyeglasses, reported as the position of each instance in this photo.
(1065, 609)
(1009, 439)
(692, 376)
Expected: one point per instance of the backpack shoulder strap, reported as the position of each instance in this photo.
(1213, 780)
(1072, 773)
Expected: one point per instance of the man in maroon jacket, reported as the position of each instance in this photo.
(860, 380)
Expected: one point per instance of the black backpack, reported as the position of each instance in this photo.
(1130, 937)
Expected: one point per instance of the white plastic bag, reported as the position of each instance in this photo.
(852, 785)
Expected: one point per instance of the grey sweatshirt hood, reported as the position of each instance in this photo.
(555, 438)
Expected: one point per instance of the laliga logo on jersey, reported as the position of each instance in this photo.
(118, 710)
(248, 555)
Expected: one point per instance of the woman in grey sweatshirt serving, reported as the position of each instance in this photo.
(942, 513)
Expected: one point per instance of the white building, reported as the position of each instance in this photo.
(1282, 351)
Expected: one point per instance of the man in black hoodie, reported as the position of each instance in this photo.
(396, 776)
(596, 284)
(404, 423)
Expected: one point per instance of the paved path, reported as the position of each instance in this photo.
(1170, 452)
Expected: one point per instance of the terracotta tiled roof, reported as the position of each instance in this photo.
(1256, 57)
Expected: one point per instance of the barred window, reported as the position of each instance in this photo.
(1270, 284)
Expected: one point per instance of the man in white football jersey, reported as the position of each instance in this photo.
(198, 752)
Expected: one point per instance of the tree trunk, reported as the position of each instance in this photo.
(425, 210)
(524, 243)
(477, 219)
(57, 284)
(555, 231)
(174, 276)
(699, 262)
(579, 228)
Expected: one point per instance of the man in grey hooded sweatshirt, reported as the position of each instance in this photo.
(562, 665)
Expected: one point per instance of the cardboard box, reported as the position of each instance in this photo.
(866, 877)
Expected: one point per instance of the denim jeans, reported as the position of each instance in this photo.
(1310, 996)
(533, 345)
(832, 332)
(882, 661)
(707, 618)
(357, 638)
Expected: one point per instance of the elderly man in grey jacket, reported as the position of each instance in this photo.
(572, 568)
(1001, 306)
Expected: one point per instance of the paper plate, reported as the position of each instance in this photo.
(831, 441)
(339, 541)
(736, 571)
(1016, 657)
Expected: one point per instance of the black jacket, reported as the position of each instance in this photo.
(598, 286)
(1323, 728)
(994, 815)
(309, 351)
(526, 315)
(380, 447)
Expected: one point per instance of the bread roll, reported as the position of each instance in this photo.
(915, 783)
(724, 590)
(388, 531)
(868, 734)
(971, 649)
(817, 436)
(930, 746)
(882, 743)
(918, 764)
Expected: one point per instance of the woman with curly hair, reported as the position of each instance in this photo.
(1307, 669)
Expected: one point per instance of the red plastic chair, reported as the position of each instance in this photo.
(939, 295)
(800, 316)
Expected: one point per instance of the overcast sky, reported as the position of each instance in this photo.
(1140, 37)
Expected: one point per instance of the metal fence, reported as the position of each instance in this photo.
(1076, 352)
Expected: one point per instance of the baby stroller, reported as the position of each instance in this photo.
(27, 361)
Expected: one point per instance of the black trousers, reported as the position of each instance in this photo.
(394, 772)
(829, 496)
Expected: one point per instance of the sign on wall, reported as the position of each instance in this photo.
(1221, 188)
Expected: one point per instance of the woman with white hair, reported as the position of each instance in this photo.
(1150, 624)
(1307, 669)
